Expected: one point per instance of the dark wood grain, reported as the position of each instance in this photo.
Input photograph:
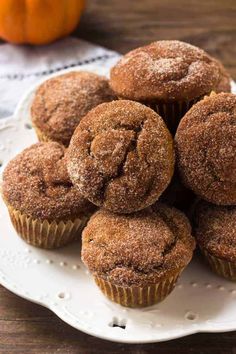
(126, 24)
(122, 25)
(29, 328)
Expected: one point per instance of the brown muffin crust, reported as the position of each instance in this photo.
(206, 146)
(137, 249)
(61, 102)
(215, 229)
(121, 156)
(36, 183)
(224, 82)
(165, 71)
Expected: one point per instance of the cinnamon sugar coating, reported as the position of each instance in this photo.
(36, 183)
(137, 249)
(165, 71)
(121, 156)
(215, 229)
(61, 102)
(206, 148)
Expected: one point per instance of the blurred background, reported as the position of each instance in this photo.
(124, 25)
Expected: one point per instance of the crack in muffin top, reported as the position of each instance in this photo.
(37, 184)
(165, 70)
(61, 102)
(206, 145)
(121, 156)
(137, 249)
(215, 229)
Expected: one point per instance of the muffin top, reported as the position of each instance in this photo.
(215, 229)
(165, 70)
(61, 102)
(36, 183)
(206, 146)
(137, 249)
(121, 156)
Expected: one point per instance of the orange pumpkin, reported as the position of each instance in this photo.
(38, 21)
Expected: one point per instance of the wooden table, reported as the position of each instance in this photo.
(122, 25)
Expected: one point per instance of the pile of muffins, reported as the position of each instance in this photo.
(117, 156)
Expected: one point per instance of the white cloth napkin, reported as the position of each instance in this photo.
(22, 66)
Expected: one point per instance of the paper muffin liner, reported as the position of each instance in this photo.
(46, 234)
(138, 296)
(220, 266)
(172, 112)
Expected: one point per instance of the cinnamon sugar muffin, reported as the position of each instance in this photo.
(45, 209)
(215, 231)
(206, 146)
(169, 76)
(136, 259)
(121, 156)
(61, 102)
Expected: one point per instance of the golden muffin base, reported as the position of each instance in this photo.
(41, 137)
(136, 296)
(46, 234)
(220, 266)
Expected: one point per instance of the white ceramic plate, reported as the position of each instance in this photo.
(201, 301)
